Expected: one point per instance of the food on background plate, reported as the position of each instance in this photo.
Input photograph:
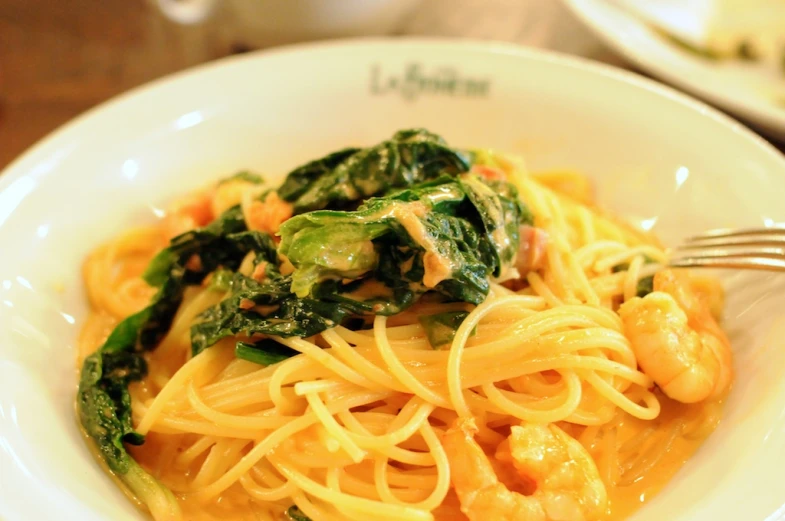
(749, 30)
(406, 332)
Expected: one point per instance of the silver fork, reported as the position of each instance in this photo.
(743, 248)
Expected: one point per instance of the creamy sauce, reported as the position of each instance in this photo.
(499, 236)
(437, 267)
(700, 420)
(157, 455)
(160, 454)
(236, 505)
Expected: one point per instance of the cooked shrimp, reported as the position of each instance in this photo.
(267, 215)
(677, 341)
(567, 485)
(711, 291)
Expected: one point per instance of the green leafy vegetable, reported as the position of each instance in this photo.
(243, 175)
(223, 242)
(352, 175)
(329, 244)
(103, 400)
(624, 266)
(263, 352)
(300, 179)
(645, 284)
(501, 214)
(431, 236)
(429, 227)
(701, 52)
(286, 315)
(620, 267)
(107, 372)
(377, 260)
(221, 279)
(198, 241)
(441, 327)
(295, 514)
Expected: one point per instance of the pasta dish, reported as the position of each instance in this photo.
(403, 332)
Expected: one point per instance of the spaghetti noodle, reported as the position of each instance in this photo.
(351, 425)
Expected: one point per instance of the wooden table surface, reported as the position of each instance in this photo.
(60, 57)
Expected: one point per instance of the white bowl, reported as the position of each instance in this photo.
(656, 156)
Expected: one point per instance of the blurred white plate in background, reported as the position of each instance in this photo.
(754, 93)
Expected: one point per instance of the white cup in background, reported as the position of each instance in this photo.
(266, 22)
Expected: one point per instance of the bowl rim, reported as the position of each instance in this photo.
(50, 142)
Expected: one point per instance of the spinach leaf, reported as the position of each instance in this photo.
(624, 266)
(378, 259)
(335, 244)
(620, 267)
(198, 241)
(456, 261)
(441, 327)
(438, 233)
(352, 175)
(263, 352)
(300, 179)
(501, 222)
(286, 315)
(103, 400)
(295, 514)
(430, 236)
(243, 175)
(221, 279)
(223, 242)
(645, 284)
(102, 386)
(701, 52)
(364, 297)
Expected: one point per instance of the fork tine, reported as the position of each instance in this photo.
(749, 248)
(738, 250)
(759, 263)
(735, 241)
(773, 231)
